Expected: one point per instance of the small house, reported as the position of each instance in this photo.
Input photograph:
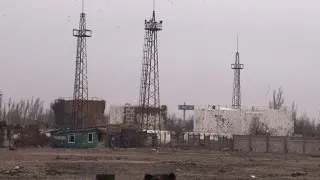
(108, 136)
(76, 138)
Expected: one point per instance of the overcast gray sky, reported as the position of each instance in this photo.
(279, 46)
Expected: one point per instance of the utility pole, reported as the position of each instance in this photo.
(149, 98)
(185, 108)
(80, 94)
(236, 95)
(184, 112)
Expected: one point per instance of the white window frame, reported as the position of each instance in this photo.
(89, 138)
(71, 134)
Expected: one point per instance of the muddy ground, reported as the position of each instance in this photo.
(42, 163)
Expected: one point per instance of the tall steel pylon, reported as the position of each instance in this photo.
(149, 99)
(236, 95)
(80, 94)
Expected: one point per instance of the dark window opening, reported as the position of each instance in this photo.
(90, 137)
(71, 138)
(100, 137)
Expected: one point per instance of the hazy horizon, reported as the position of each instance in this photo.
(278, 47)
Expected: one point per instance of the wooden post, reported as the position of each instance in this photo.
(304, 145)
(285, 144)
(268, 138)
(250, 146)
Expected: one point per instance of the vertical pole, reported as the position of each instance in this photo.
(250, 145)
(268, 143)
(184, 112)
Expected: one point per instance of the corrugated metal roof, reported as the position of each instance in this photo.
(77, 130)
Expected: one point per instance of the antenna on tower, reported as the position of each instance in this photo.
(237, 41)
(237, 67)
(149, 97)
(82, 6)
(154, 5)
(80, 92)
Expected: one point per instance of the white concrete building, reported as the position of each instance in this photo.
(116, 114)
(228, 121)
(129, 114)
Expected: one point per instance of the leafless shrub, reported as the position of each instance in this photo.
(277, 99)
(26, 112)
(176, 124)
(259, 128)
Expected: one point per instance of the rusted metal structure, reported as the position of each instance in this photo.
(63, 111)
(236, 95)
(80, 94)
(149, 99)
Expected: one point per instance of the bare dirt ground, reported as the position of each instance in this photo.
(42, 163)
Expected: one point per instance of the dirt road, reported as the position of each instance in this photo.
(39, 163)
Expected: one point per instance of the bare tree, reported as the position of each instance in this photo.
(1, 106)
(306, 126)
(175, 123)
(277, 99)
(26, 112)
(259, 128)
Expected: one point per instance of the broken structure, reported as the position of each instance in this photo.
(64, 116)
(228, 121)
(129, 115)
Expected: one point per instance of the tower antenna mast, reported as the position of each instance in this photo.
(80, 93)
(82, 6)
(149, 97)
(236, 94)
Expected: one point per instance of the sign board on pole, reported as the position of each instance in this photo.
(186, 107)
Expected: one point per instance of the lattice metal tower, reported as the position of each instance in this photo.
(236, 95)
(149, 99)
(80, 94)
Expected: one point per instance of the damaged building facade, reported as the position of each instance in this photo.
(63, 113)
(228, 121)
(130, 115)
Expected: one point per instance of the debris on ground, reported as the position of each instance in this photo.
(299, 174)
(253, 176)
(170, 176)
(105, 177)
(61, 158)
(53, 172)
(16, 170)
(222, 170)
(11, 148)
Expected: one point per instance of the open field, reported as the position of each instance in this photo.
(39, 163)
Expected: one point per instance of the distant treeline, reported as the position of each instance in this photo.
(31, 111)
(26, 112)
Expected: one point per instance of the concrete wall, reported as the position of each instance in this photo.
(259, 143)
(130, 115)
(224, 121)
(277, 144)
(116, 114)
(191, 140)
(64, 118)
(295, 145)
(241, 143)
(312, 146)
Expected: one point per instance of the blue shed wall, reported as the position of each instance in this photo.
(60, 139)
